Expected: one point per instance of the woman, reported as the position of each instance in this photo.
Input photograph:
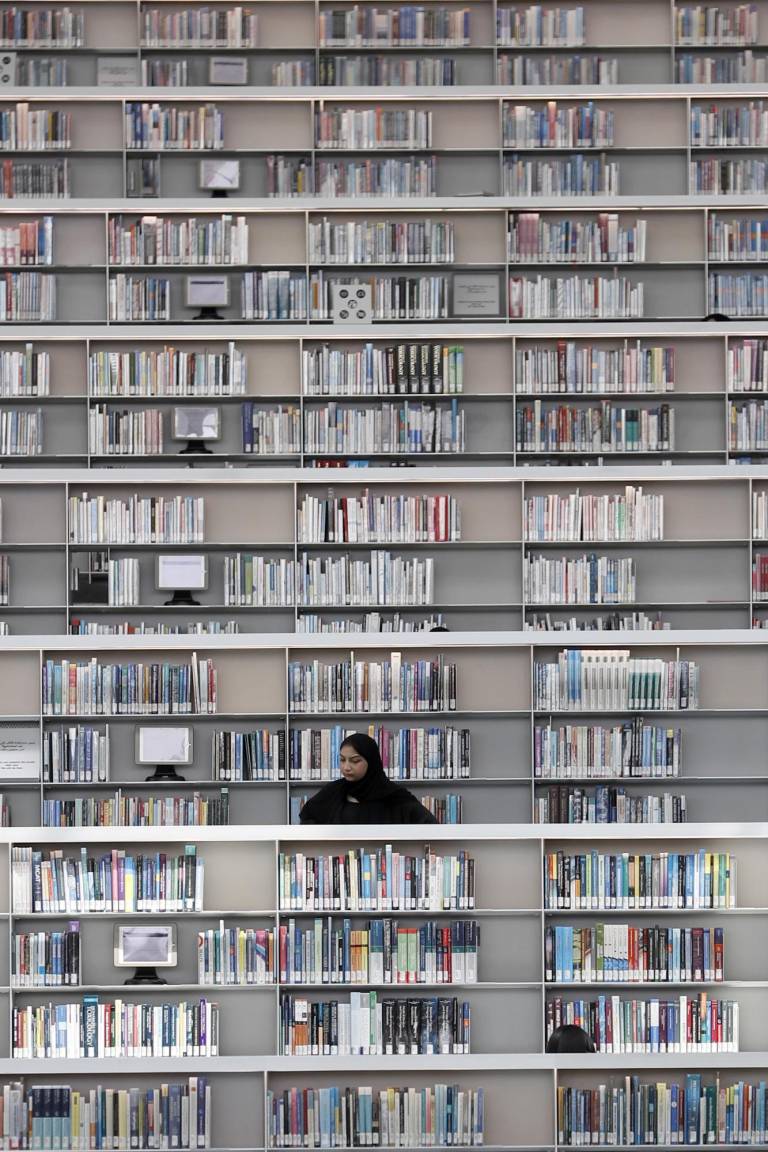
(364, 794)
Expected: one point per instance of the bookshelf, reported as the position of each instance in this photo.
(657, 42)
(473, 551)
(507, 751)
(520, 394)
(508, 999)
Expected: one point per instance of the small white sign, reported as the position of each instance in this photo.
(351, 304)
(116, 71)
(475, 294)
(19, 754)
(228, 70)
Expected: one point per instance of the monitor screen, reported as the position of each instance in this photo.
(207, 291)
(196, 423)
(180, 571)
(147, 944)
(163, 745)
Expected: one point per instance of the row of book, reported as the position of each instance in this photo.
(27, 242)
(96, 1029)
(626, 880)
(589, 579)
(380, 242)
(161, 128)
(46, 959)
(738, 239)
(383, 879)
(370, 70)
(413, 297)
(124, 432)
(383, 176)
(636, 1113)
(533, 237)
(611, 428)
(42, 72)
(547, 126)
(597, 680)
(24, 372)
(170, 240)
(370, 1025)
(353, 128)
(715, 176)
(748, 365)
(235, 27)
(375, 370)
(115, 882)
(79, 627)
(378, 518)
(407, 428)
(139, 298)
(577, 175)
(52, 1116)
(72, 688)
(686, 1024)
(748, 425)
(745, 295)
(407, 753)
(384, 952)
(25, 129)
(575, 298)
(607, 804)
(271, 432)
(42, 28)
(605, 622)
(715, 25)
(27, 296)
(394, 685)
(130, 811)
(408, 26)
(634, 516)
(628, 954)
(581, 751)
(384, 578)
(437, 1116)
(571, 367)
(536, 26)
(21, 432)
(35, 179)
(730, 125)
(169, 371)
(136, 519)
(735, 68)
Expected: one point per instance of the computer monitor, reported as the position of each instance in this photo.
(196, 425)
(182, 575)
(145, 948)
(207, 291)
(164, 749)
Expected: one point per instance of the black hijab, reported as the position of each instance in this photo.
(325, 807)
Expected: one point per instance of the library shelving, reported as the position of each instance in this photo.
(95, 143)
(383, 550)
(244, 876)
(508, 750)
(470, 394)
(71, 262)
(123, 42)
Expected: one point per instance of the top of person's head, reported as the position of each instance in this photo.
(364, 745)
(570, 1038)
(716, 316)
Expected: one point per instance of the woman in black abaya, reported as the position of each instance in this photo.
(364, 794)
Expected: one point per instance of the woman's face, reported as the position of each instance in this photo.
(353, 766)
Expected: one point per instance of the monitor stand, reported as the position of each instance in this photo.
(196, 448)
(208, 313)
(182, 599)
(165, 772)
(145, 976)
